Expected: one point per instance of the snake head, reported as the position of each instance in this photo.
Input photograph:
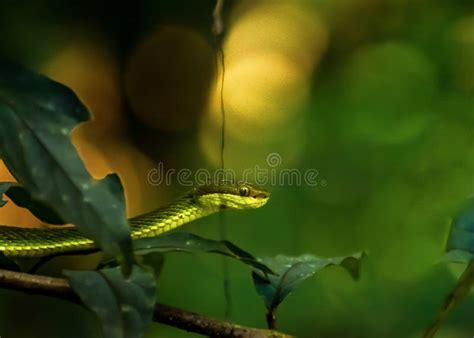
(230, 196)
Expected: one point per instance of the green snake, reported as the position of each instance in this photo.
(200, 202)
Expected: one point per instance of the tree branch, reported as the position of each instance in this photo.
(164, 314)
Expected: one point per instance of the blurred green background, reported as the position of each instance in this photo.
(378, 96)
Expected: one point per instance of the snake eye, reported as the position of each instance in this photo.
(244, 191)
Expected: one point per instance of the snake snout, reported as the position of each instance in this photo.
(262, 195)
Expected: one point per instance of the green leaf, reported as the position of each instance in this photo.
(3, 188)
(22, 198)
(99, 298)
(136, 296)
(124, 306)
(22, 264)
(187, 242)
(291, 271)
(155, 260)
(13, 263)
(7, 263)
(457, 256)
(26, 264)
(461, 236)
(37, 116)
(460, 249)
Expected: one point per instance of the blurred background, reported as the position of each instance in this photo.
(376, 95)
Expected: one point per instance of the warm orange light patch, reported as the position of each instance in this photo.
(103, 143)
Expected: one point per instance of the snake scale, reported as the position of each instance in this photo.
(198, 203)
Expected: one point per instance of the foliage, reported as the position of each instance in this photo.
(460, 249)
(123, 305)
(291, 271)
(461, 236)
(22, 198)
(38, 115)
(187, 242)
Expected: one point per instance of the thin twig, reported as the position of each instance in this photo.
(461, 290)
(218, 30)
(222, 105)
(164, 314)
(271, 319)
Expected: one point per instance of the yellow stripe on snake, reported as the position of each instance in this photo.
(200, 202)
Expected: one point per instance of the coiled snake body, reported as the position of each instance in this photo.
(200, 202)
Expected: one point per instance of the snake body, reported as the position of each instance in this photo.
(200, 202)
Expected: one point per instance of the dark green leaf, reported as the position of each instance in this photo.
(291, 271)
(154, 260)
(460, 249)
(99, 298)
(187, 242)
(37, 117)
(136, 296)
(22, 198)
(3, 188)
(22, 264)
(25, 264)
(457, 256)
(124, 306)
(7, 263)
(461, 236)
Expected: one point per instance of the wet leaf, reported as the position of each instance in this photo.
(187, 242)
(37, 117)
(124, 306)
(190, 243)
(291, 271)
